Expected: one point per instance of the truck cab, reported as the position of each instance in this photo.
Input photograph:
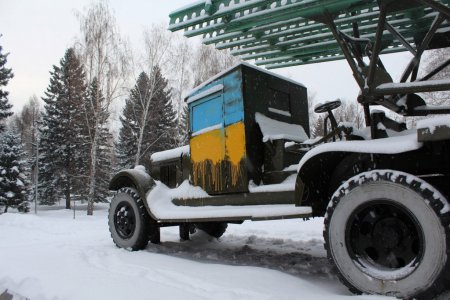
(241, 123)
(233, 123)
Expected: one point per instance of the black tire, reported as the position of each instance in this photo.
(129, 222)
(214, 229)
(387, 232)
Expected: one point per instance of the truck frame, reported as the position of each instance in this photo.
(383, 191)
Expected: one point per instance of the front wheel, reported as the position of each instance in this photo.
(387, 232)
(129, 222)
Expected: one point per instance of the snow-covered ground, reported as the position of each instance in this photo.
(53, 256)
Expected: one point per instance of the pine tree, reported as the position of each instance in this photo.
(26, 124)
(63, 124)
(14, 173)
(183, 127)
(132, 120)
(163, 117)
(5, 75)
(148, 111)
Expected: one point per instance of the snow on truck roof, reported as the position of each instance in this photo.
(282, 33)
(432, 123)
(193, 95)
(170, 154)
(276, 130)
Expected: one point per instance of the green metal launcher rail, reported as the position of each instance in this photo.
(284, 33)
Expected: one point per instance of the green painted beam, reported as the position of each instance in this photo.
(289, 32)
(402, 25)
(305, 51)
(301, 27)
(203, 12)
(299, 62)
(227, 20)
(303, 30)
(292, 63)
(305, 9)
(259, 30)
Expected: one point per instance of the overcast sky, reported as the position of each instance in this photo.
(36, 33)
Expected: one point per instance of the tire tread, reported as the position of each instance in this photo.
(143, 235)
(436, 203)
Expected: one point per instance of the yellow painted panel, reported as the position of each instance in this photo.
(208, 146)
(235, 142)
(235, 152)
(218, 159)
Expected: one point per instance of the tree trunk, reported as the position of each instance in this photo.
(68, 195)
(139, 145)
(93, 173)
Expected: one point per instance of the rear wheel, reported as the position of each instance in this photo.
(387, 232)
(214, 229)
(129, 223)
(185, 230)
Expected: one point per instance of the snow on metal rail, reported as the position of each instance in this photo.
(280, 33)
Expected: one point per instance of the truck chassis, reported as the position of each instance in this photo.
(384, 196)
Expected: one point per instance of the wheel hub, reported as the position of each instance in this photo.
(389, 233)
(125, 220)
(384, 236)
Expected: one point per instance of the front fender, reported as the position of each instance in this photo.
(319, 170)
(135, 178)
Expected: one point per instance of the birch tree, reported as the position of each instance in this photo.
(104, 150)
(348, 112)
(157, 42)
(106, 58)
(189, 67)
(26, 123)
(208, 62)
(181, 81)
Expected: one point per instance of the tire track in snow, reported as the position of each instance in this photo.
(290, 257)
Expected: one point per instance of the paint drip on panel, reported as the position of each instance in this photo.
(218, 160)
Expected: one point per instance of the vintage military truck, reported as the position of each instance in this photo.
(383, 190)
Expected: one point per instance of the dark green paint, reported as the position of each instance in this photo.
(240, 199)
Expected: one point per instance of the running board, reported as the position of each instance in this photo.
(165, 205)
(181, 214)
(240, 199)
